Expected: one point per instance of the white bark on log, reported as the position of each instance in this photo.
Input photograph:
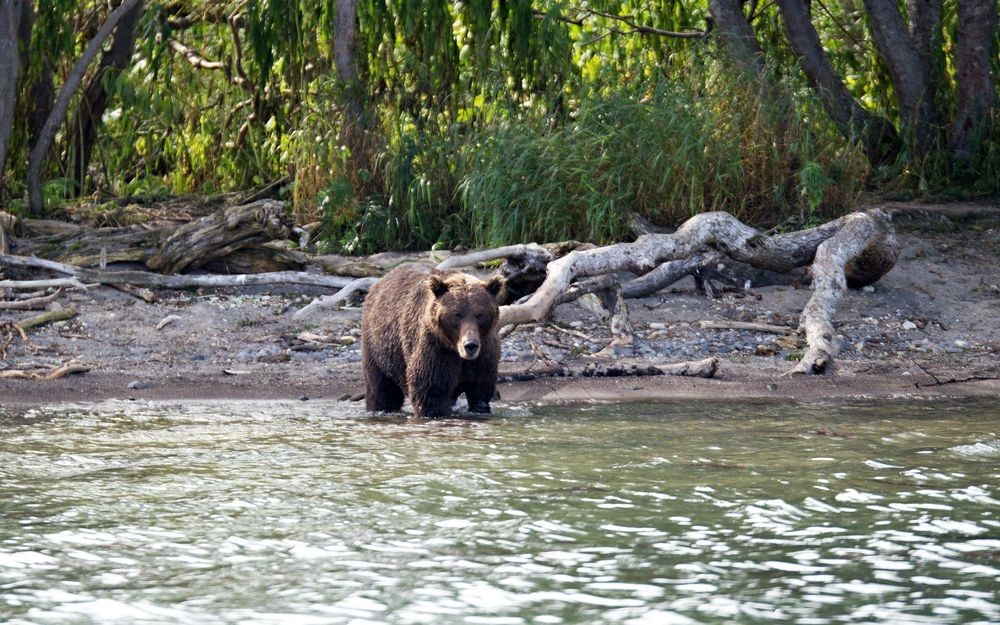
(70, 283)
(866, 248)
(704, 368)
(184, 281)
(721, 231)
(861, 232)
(483, 256)
(325, 303)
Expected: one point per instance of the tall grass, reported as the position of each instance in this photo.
(667, 156)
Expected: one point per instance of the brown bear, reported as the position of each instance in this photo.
(430, 335)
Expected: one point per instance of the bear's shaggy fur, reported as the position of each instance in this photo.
(430, 335)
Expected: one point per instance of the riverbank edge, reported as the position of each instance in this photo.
(734, 382)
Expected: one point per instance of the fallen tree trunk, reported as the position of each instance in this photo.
(704, 368)
(184, 281)
(61, 314)
(237, 233)
(197, 243)
(863, 249)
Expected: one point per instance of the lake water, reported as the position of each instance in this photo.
(655, 514)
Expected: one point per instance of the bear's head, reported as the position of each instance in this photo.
(464, 310)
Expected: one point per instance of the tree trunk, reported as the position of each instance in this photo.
(918, 116)
(10, 64)
(737, 37)
(24, 28)
(924, 18)
(61, 106)
(975, 89)
(95, 98)
(355, 130)
(41, 96)
(875, 133)
(81, 275)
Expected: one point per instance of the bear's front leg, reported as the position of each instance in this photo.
(479, 396)
(381, 393)
(479, 381)
(432, 401)
(431, 381)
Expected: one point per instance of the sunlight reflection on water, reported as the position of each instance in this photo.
(291, 512)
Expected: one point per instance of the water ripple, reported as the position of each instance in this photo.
(291, 512)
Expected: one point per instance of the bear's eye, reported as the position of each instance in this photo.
(480, 317)
(454, 318)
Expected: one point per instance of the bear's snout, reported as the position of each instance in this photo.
(468, 341)
(470, 349)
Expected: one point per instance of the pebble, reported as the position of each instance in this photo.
(138, 385)
(959, 343)
(657, 326)
(909, 325)
(765, 350)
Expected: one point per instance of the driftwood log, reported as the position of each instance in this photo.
(856, 249)
(704, 368)
(233, 235)
(82, 275)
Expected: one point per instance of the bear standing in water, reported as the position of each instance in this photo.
(430, 335)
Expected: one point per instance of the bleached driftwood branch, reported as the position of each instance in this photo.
(183, 281)
(52, 374)
(329, 301)
(31, 303)
(70, 283)
(484, 256)
(865, 248)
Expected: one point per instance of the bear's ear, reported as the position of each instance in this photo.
(437, 286)
(494, 285)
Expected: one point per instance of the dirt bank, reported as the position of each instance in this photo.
(934, 318)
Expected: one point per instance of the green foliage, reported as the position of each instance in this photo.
(55, 192)
(812, 183)
(486, 121)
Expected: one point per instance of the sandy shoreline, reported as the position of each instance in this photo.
(733, 382)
